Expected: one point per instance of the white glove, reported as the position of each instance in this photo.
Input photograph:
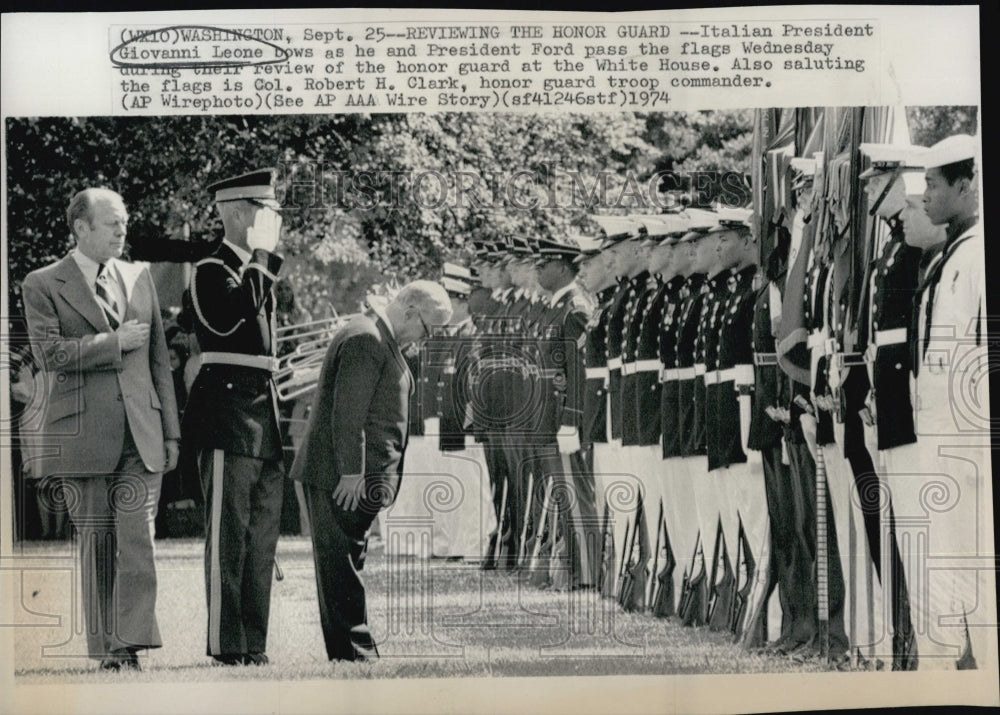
(432, 427)
(266, 230)
(745, 415)
(568, 439)
(808, 423)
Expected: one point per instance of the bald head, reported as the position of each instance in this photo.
(417, 308)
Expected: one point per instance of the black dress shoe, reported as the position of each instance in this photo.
(255, 659)
(228, 659)
(122, 659)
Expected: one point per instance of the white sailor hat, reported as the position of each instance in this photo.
(456, 287)
(956, 148)
(454, 270)
(702, 222)
(887, 158)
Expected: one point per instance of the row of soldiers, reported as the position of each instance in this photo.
(689, 427)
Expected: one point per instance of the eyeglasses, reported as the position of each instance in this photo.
(427, 331)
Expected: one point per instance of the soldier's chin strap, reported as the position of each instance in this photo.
(885, 191)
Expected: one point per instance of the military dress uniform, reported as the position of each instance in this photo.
(231, 420)
(694, 606)
(951, 580)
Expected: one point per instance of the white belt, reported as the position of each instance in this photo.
(647, 365)
(815, 340)
(614, 363)
(890, 337)
(597, 373)
(628, 368)
(261, 362)
(713, 378)
(699, 369)
(678, 373)
(743, 374)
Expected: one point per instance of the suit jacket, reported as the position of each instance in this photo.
(96, 389)
(358, 422)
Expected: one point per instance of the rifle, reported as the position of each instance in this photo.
(746, 560)
(663, 603)
(523, 546)
(499, 550)
(539, 572)
(656, 556)
(623, 567)
(721, 600)
(695, 604)
(607, 555)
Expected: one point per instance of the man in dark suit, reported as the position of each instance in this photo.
(352, 456)
(95, 324)
(231, 419)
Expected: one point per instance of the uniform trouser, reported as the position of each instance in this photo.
(706, 505)
(804, 497)
(892, 578)
(751, 497)
(496, 466)
(942, 497)
(864, 611)
(339, 539)
(572, 506)
(781, 518)
(114, 516)
(243, 504)
(515, 459)
(682, 519)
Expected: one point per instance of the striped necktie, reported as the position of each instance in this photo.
(106, 298)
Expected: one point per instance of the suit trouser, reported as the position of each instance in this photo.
(339, 540)
(114, 516)
(243, 498)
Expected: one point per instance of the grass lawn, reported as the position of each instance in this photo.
(431, 619)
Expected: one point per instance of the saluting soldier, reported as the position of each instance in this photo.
(231, 417)
(952, 425)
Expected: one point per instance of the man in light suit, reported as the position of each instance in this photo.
(352, 457)
(95, 324)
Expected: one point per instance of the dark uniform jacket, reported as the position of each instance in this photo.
(452, 394)
(735, 351)
(234, 408)
(616, 317)
(889, 307)
(765, 433)
(670, 315)
(639, 302)
(595, 403)
(707, 354)
(687, 333)
(562, 362)
(358, 422)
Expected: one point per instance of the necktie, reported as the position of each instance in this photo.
(106, 299)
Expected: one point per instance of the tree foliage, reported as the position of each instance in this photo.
(372, 197)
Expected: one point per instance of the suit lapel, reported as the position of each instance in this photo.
(393, 346)
(78, 295)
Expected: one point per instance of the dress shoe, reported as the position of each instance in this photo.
(228, 659)
(122, 659)
(255, 659)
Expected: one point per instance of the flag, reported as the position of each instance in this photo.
(663, 596)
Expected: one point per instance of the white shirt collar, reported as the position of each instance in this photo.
(561, 292)
(241, 253)
(88, 266)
